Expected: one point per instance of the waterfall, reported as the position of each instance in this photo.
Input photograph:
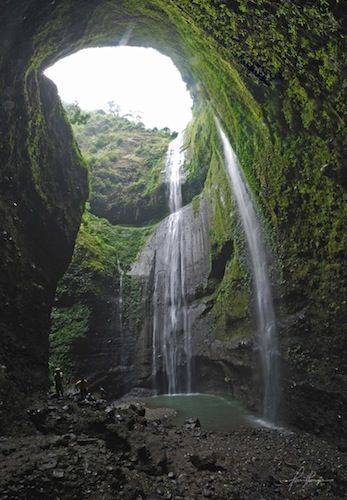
(120, 297)
(123, 343)
(266, 321)
(171, 341)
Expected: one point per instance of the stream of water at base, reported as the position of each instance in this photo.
(266, 322)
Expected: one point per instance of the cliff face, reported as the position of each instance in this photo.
(43, 190)
(218, 353)
(126, 164)
(96, 315)
(273, 75)
(152, 270)
(97, 311)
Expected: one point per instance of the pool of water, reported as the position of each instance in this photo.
(216, 413)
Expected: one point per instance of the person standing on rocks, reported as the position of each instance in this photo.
(82, 386)
(58, 381)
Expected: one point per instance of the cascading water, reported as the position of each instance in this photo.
(266, 321)
(171, 330)
(123, 354)
(120, 298)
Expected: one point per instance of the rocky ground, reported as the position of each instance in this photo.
(95, 451)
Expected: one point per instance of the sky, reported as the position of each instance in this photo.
(139, 80)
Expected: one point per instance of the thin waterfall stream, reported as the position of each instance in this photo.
(265, 313)
(123, 355)
(120, 298)
(171, 341)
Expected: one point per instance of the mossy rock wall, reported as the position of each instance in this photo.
(126, 163)
(97, 313)
(43, 189)
(273, 74)
(228, 287)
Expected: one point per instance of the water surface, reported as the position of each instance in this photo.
(216, 413)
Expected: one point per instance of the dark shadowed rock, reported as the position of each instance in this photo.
(192, 423)
(115, 441)
(205, 462)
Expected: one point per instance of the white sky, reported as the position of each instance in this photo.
(139, 80)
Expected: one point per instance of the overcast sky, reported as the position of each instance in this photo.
(138, 79)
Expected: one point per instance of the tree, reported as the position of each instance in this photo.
(113, 108)
(75, 114)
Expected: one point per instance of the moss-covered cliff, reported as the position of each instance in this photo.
(96, 315)
(228, 287)
(96, 312)
(272, 71)
(43, 190)
(126, 163)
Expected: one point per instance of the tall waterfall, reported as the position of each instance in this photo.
(266, 321)
(171, 330)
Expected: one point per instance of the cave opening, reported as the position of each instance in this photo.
(138, 83)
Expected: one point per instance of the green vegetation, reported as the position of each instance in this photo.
(205, 166)
(101, 245)
(231, 309)
(126, 163)
(76, 115)
(284, 117)
(200, 137)
(68, 324)
(91, 284)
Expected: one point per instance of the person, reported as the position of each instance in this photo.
(58, 381)
(102, 393)
(227, 380)
(82, 386)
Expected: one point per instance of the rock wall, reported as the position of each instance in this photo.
(96, 315)
(43, 189)
(126, 163)
(221, 361)
(151, 267)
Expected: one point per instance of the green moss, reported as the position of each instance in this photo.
(231, 297)
(132, 308)
(68, 324)
(196, 205)
(91, 283)
(101, 246)
(199, 137)
(44, 123)
(126, 163)
(231, 309)
(218, 192)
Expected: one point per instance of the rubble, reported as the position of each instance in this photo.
(118, 451)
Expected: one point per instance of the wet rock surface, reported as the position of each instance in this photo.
(92, 450)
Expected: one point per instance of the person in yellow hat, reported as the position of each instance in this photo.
(82, 386)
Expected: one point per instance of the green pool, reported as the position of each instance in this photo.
(217, 413)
